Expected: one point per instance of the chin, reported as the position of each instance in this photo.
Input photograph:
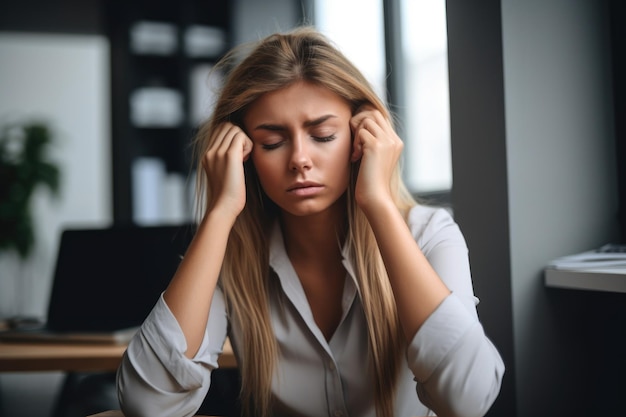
(303, 212)
(312, 207)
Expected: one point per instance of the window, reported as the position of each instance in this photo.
(428, 166)
(360, 38)
(424, 108)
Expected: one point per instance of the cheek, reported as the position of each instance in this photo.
(344, 154)
(340, 164)
(266, 168)
(343, 171)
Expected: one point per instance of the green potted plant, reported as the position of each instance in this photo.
(24, 165)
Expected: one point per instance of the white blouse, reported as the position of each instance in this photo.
(451, 368)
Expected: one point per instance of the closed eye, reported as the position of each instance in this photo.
(324, 138)
(276, 145)
(270, 146)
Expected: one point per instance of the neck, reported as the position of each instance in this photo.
(315, 238)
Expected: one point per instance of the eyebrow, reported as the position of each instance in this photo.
(309, 123)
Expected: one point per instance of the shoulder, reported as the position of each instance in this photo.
(432, 226)
(422, 218)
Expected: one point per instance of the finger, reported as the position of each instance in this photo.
(357, 152)
(221, 143)
(357, 141)
(357, 120)
(366, 110)
(361, 137)
(240, 141)
(248, 145)
(219, 135)
(371, 121)
(229, 134)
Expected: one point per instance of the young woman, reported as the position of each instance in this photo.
(340, 294)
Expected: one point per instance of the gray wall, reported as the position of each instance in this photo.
(562, 182)
(479, 172)
(534, 179)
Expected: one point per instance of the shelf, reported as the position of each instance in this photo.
(593, 280)
(160, 57)
(603, 269)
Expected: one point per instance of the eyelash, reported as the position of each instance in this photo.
(320, 139)
(324, 138)
(270, 146)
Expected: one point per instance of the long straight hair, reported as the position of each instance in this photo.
(275, 62)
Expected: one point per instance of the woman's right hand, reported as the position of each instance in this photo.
(191, 290)
(223, 165)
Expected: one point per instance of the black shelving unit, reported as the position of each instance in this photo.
(150, 53)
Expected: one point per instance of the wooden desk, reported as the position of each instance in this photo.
(75, 357)
(20, 357)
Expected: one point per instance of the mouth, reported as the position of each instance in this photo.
(305, 188)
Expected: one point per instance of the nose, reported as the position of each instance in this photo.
(300, 158)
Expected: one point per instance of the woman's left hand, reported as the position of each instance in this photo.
(378, 147)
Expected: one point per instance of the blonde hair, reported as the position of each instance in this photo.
(274, 63)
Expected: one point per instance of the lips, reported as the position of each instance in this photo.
(305, 188)
(303, 184)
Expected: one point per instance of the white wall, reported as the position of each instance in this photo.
(561, 182)
(63, 80)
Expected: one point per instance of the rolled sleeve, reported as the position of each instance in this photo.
(457, 369)
(439, 334)
(155, 377)
(165, 337)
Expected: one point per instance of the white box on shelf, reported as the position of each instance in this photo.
(156, 107)
(204, 41)
(157, 38)
(148, 175)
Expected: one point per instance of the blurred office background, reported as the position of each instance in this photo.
(506, 109)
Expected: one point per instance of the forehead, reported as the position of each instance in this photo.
(302, 100)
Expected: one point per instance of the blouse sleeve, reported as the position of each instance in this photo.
(155, 377)
(457, 368)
